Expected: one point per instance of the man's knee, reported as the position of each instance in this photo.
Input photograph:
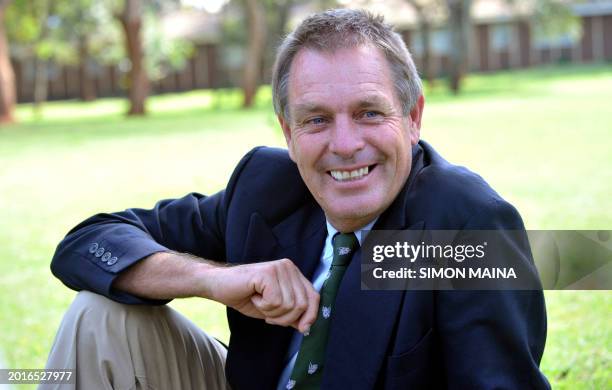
(99, 336)
(92, 314)
(135, 326)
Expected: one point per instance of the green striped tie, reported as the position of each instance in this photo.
(308, 369)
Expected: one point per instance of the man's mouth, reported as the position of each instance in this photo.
(355, 174)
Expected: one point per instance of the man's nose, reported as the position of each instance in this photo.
(346, 139)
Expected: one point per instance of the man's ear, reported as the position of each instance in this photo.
(416, 114)
(287, 133)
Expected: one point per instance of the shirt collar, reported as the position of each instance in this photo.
(360, 233)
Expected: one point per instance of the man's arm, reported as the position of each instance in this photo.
(97, 251)
(275, 291)
(137, 257)
(146, 269)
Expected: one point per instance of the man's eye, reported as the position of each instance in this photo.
(371, 114)
(316, 121)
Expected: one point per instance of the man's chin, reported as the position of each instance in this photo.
(352, 218)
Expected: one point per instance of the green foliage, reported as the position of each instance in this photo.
(92, 23)
(32, 29)
(554, 19)
(25, 19)
(53, 30)
(163, 54)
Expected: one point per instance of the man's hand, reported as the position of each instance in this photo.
(274, 290)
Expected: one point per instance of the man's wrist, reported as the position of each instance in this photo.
(205, 278)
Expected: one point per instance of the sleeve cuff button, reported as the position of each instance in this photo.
(93, 247)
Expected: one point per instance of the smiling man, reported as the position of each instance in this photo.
(278, 247)
(348, 133)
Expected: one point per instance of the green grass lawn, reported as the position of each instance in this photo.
(542, 138)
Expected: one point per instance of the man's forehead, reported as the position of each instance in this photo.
(362, 69)
(334, 56)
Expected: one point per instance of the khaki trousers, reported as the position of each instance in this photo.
(116, 346)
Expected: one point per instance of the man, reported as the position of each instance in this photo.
(349, 101)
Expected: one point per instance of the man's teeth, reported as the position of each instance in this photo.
(350, 175)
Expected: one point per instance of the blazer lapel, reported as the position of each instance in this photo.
(301, 237)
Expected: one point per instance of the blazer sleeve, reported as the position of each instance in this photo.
(95, 252)
(494, 339)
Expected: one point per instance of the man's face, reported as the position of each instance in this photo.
(347, 134)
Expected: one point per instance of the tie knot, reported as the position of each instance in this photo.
(344, 245)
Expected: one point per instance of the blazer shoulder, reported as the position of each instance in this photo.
(455, 194)
(268, 182)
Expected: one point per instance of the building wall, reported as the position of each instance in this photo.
(512, 45)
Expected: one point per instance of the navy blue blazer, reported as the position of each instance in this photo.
(378, 339)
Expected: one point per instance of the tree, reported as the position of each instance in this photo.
(277, 18)
(138, 87)
(41, 58)
(553, 18)
(459, 27)
(425, 11)
(85, 23)
(255, 47)
(7, 77)
(32, 29)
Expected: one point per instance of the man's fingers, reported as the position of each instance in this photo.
(268, 295)
(300, 304)
(276, 288)
(285, 297)
(312, 310)
(301, 319)
(286, 281)
(276, 296)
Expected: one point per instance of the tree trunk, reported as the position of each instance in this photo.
(87, 89)
(283, 9)
(425, 29)
(425, 32)
(7, 76)
(41, 77)
(254, 58)
(276, 31)
(459, 25)
(41, 82)
(138, 84)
